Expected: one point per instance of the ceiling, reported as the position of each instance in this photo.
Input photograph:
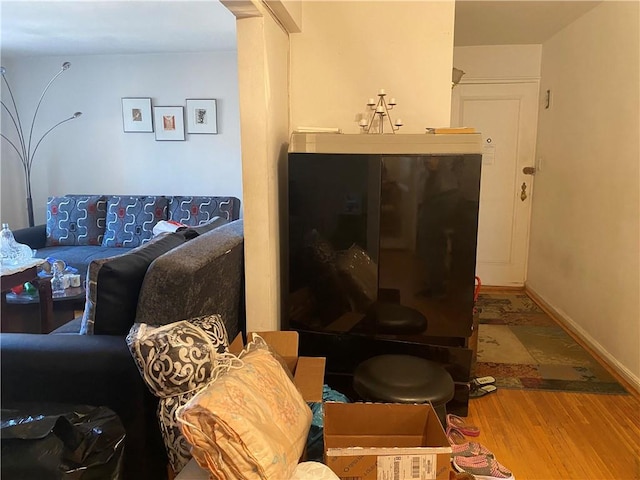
(513, 22)
(87, 27)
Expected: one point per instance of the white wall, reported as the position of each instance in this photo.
(498, 61)
(263, 56)
(92, 154)
(585, 237)
(348, 50)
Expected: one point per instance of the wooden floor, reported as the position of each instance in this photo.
(560, 436)
(542, 435)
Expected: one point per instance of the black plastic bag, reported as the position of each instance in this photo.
(47, 442)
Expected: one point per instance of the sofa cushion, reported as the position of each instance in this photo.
(80, 257)
(75, 220)
(130, 219)
(113, 286)
(195, 211)
(176, 361)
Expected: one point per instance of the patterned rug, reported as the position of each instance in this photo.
(524, 348)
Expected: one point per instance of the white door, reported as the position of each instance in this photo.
(506, 115)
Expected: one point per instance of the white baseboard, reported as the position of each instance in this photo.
(578, 331)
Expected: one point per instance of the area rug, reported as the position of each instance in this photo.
(524, 348)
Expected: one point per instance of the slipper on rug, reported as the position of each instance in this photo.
(479, 381)
(460, 424)
(482, 391)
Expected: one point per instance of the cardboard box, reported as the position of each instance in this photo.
(385, 441)
(308, 372)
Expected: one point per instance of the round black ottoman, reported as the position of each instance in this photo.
(394, 318)
(404, 379)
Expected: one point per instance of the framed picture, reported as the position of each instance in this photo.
(201, 116)
(136, 115)
(169, 123)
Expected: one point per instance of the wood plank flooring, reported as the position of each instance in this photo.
(543, 435)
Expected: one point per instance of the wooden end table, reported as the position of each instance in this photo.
(15, 276)
(21, 308)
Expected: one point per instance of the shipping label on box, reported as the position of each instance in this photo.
(407, 467)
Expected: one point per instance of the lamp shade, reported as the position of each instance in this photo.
(456, 75)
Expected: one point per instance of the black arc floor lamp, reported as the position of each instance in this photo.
(23, 145)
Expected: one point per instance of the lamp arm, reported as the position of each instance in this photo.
(33, 154)
(35, 114)
(22, 160)
(15, 124)
(18, 124)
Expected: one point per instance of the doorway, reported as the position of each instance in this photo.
(506, 115)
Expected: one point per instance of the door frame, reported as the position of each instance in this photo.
(507, 81)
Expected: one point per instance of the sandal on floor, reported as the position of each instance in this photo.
(479, 381)
(470, 449)
(460, 424)
(482, 468)
(482, 391)
(455, 437)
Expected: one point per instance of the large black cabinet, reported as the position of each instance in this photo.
(383, 220)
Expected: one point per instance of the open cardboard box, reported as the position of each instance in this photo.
(385, 441)
(308, 375)
(308, 372)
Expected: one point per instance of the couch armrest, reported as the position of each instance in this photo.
(35, 237)
(85, 369)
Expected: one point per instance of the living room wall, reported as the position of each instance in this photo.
(348, 50)
(584, 259)
(93, 154)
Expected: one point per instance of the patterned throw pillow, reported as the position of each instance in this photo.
(76, 220)
(176, 361)
(250, 422)
(130, 220)
(193, 211)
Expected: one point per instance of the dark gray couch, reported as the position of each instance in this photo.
(202, 276)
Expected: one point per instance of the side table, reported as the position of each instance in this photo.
(13, 276)
(22, 308)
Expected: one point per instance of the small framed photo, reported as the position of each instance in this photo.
(136, 115)
(169, 123)
(201, 115)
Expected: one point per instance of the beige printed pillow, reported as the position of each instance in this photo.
(251, 422)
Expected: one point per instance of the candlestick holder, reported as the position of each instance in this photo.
(380, 111)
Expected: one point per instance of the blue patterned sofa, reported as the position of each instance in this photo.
(82, 228)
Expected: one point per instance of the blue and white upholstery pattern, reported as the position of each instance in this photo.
(130, 219)
(75, 220)
(194, 211)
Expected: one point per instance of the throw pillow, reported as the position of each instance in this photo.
(113, 286)
(250, 422)
(194, 211)
(130, 219)
(176, 361)
(75, 220)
